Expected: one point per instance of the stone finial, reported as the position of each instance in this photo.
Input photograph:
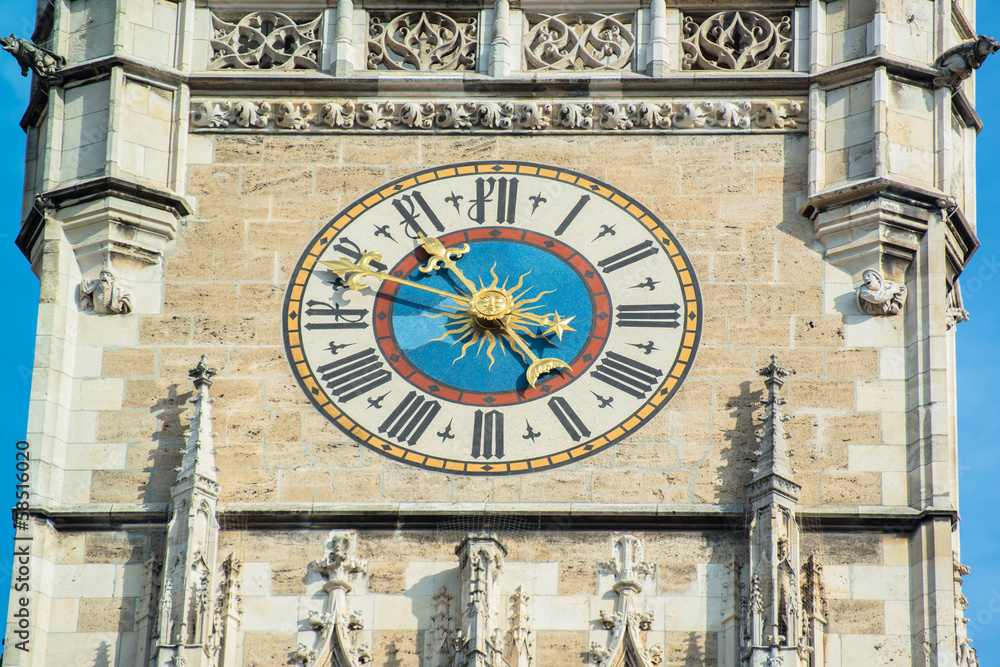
(202, 374)
(957, 63)
(199, 453)
(103, 296)
(772, 453)
(44, 63)
(880, 297)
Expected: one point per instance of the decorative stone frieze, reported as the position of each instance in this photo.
(336, 626)
(878, 296)
(44, 63)
(959, 62)
(102, 296)
(265, 40)
(422, 41)
(581, 41)
(737, 40)
(500, 115)
(627, 623)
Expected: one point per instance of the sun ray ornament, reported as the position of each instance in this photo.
(486, 315)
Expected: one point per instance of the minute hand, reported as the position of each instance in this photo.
(354, 274)
(538, 366)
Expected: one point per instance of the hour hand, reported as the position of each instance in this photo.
(446, 256)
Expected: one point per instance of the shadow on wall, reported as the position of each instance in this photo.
(739, 442)
(166, 456)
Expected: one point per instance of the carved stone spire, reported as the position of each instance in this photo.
(775, 628)
(773, 460)
(480, 561)
(199, 454)
(627, 645)
(519, 649)
(337, 626)
(189, 626)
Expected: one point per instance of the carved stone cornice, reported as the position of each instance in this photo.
(878, 223)
(498, 116)
(427, 516)
(150, 212)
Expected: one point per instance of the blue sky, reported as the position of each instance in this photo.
(978, 359)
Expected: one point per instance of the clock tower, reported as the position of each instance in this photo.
(497, 334)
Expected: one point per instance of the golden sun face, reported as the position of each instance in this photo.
(479, 325)
(491, 303)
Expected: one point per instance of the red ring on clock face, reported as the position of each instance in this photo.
(599, 324)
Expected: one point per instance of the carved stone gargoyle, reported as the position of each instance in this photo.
(44, 63)
(878, 296)
(957, 63)
(103, 296)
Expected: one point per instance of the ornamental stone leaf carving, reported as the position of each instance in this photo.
(737, 40)
(497, 116)
(265, 40)
(578, 41)
(577, 116)
(422, 41)
(334, 114)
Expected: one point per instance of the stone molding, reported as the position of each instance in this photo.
(150, 213)
(498, 116)
(537, 516)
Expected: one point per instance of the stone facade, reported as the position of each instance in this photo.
(184, 155)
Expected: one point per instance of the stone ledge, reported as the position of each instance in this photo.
(533, 516)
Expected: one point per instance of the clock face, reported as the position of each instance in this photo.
(492, 318)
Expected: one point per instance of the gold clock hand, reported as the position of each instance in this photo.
(538, 366)
(355, 273)
(447, 256)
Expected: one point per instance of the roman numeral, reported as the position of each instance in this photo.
(506, 198)
(349, 248)
(354, 375)
(407, 207)
(410, 419)
(654, 315)
(573, 425)
(634, 378)
(628, 256)
(343, 318)
(487, 435)
(571, 216)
